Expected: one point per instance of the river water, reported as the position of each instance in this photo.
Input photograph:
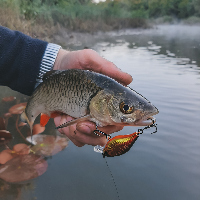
(165, 65)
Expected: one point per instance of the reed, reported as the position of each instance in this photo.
(24, 14)
(46, 16)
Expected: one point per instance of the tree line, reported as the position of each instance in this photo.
(84, 14)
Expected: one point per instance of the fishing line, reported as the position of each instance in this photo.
(112, 179)
(121, 145)
(97, 130)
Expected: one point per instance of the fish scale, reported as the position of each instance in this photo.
(65, 86)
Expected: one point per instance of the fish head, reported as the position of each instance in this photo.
(131, 108)
(125, 107)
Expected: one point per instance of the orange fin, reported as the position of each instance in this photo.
(44, 118)
(55, 114)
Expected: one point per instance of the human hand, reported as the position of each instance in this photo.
(87, 59)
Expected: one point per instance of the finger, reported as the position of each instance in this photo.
(83, 132)
(68, 131)
(77, 143)
(61, 119)
(90, 59)
(90, 139)
(71, 132)
(98, 64)
(88, 128)
(111, 129)
(80, 138)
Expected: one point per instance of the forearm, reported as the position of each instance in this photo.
(20, 60)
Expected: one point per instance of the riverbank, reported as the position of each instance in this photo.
(49, 21)
(42, 20)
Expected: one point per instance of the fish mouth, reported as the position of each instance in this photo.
(147, 121)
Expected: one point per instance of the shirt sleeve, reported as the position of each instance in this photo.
(20, 60)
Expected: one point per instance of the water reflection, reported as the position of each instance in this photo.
(164, 68)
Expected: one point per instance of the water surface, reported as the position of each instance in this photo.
(165, 65)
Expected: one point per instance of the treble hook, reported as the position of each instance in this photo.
(97, 130)
(140, 131)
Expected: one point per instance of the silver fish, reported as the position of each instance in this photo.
(87, 95)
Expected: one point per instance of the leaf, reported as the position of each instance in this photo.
(37, 128)
(2, 124)
(23, 168)
(18, 108)
(5, 136)
(5, 156)
(7, 115)
(48, 145)
(22, 124)
(8, 99)
(21, 149)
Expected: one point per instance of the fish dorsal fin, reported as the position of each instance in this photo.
(49, 74)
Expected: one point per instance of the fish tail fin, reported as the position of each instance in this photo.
(25, 119)
(31, 128)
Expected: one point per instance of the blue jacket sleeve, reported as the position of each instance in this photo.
(20, 59)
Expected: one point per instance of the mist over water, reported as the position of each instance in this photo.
(165, 66)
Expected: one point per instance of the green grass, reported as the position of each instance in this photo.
(74, 15)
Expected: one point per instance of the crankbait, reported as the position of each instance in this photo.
(119, 145)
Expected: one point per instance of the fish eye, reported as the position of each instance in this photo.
(125, 108)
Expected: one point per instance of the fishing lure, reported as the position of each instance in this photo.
(119, 144)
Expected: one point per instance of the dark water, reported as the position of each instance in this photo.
(165, 65)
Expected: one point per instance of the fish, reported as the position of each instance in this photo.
(119, 145)
(87, 95)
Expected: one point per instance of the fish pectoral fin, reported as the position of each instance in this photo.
(74, 121)
(55, 114)
(44, 118)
